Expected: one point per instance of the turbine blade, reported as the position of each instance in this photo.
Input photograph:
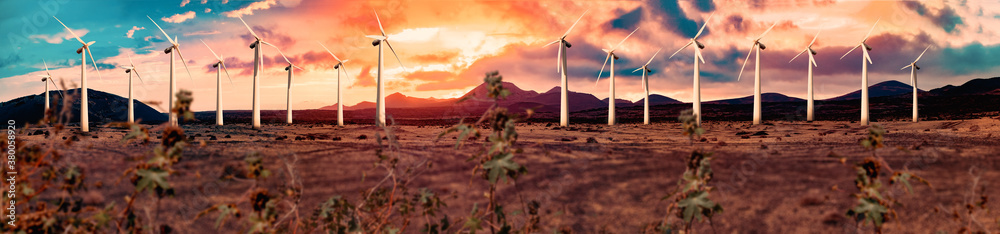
(574, 24)
(768, 30)
(161, 30)
(651, 58)
(375, 37)
(328, 51)
(797, 55)
(867, 57)
(921, 54)
(698, 53)
(46, 66)
(248, 28)
(638, 69)
(70, 31)
(550, 43)
(904, 67)
(137, 76)
(559, 60)
(223, 65)
(813, 60)
(745, 62)
(379, 24)
(703, 26)
(210, 49)
(130, 60)
(623, 40)
(279, 52)
(872, 30)
(395, 55)
(814, 40)
(184, 61)
(849, 51)
(56, 86)
(602, 68)
(682, 48)
(95, 64)
(344, 66)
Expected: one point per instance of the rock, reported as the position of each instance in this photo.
(548, 125)
(299, 138)
(744, 137)
(39, 132)
(760, 133)
(227, 136)
(722, 143)
(212, 137)
(591, 140)
(335, 138)
(762, 146)
(362, 137)
(568, 139)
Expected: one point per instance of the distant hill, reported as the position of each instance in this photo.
(886, 88)
(103, 108)
(656, 99)
(981, 86)
(765, 97)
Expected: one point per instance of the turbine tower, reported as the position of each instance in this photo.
(130, 69)
(913, 81)
(257, 64)
(645, 87)
(811, 64)
(696, 102)
(865, 60)
(289, 98)
(611, 88)
(340, 102)
(561, 69)
(47, 78)
(173, 83)
(380, 92)
(757, 46)
(219, 67)
(84, 113)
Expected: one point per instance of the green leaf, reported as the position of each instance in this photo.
(869, 209)
(473, 223)
(697, 205)
(905, 177)
(499, 166)
(152, 179)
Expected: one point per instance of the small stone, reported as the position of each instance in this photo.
(227, 136)
(763, 146)
(722, 143)
(591, 140)
(362, 137)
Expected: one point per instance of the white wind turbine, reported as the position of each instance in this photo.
(289, 98)
(865, 60)
(913, 81)
(696, 102)
(340, 102)
(757, 46)
(130, 69)
(257, 64)
(173, 83)
(84, 113)
(611, 89)
(47, 78)
(561, 68)
(811, 64)
(380, 99)
(219, 67)
(645, 87)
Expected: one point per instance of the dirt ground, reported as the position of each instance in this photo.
(777, 177)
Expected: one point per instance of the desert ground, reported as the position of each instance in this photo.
(778, 177)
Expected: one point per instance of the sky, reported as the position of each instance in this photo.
(446, 47)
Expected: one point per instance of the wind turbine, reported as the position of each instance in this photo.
(913, 81)
(811, 64)
(611, 97)
(645, 87)
(130, 69)
(47, 78)
(757, 46)
(561, 68)
(289, 69)
(340, 102)
(219, 67)
(696, 103)
(865, 60)
(380, 99)
(84, 113)
(173, 83)
(257, 64)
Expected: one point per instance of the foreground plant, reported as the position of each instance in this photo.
(495, 160)
(873, 204)
(691, 196)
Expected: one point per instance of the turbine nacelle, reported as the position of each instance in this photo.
(168, 50)
(45, 79)
(915, 66)
(700, 46)
(337, 66)
(811, 51)
(761, 45)
(376, 42)
(869, 48)
(216, 64)
(254, 44)
(564, 41)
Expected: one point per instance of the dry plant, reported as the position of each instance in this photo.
(691, 196)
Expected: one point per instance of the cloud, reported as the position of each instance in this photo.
(204, 1)
(202, 32)
(675, 20)
(249, 9)
(628, 20)
(207, 10)
(440, 57)
(132, 31)
(59, 37)
(946, 17)
(10, 60)
(969, 59)
(705, 5)
(178, 18)
(185, 2)
(278, 39)
(365, 79)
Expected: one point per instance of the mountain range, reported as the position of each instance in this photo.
(30, 108)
